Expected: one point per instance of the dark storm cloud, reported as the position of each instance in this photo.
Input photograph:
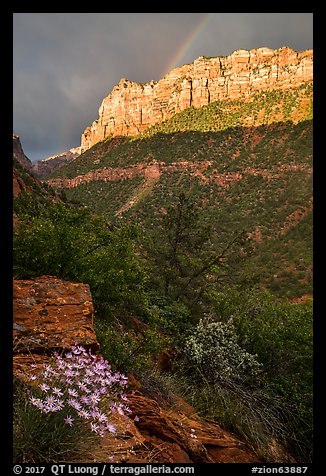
(66, 63)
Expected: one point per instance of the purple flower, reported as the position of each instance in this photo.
(120, 410)
(68, 420)
(72, 392)
(50, 400)
(85, 399)
(77, 349)
(84, 414)
(35, 401)
(102, 417)
(69, 373)
(94, 413)
(44, 387)
(94, 427)
(52, 405)
(74, 404)
(60, 364)
(57, 391)
(59, 404)
(48, 369)
(82, 386)
(94, 399)
(123, 380)
(82, 372)
(111, 428)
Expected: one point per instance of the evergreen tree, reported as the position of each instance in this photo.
(184, 260)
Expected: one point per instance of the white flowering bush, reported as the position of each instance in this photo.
(80, 386)
(212, 353)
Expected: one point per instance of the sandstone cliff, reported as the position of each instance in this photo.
(133, 107)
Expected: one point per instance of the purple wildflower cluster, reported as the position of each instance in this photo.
(81, 385)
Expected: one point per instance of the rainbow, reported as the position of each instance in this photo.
(186, 45)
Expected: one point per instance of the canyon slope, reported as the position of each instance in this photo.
(246, 163)
(131, 107)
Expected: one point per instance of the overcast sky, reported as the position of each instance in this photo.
(64, 64)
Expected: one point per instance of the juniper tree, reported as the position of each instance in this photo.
(184, 258)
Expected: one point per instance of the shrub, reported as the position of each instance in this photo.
(72, 244)
(227, 383)
(280, 334)
(128, 349)
(213, 354)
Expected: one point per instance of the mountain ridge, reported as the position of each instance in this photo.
(44, 167)
(130, 108)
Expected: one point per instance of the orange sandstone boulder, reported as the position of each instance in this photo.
(51, 314)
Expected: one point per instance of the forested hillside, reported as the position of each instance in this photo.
(195, 238)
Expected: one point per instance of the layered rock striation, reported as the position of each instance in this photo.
(132, 107)
(203, 170)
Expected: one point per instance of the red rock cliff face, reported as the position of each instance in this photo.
(132, 107)
(18, 153)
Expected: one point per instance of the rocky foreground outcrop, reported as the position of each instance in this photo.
(52, 314)
(132, 107)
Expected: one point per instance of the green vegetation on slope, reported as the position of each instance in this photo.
(129, 282)
(264, 108)
(55, 239)
(256, 179)
(221, 244)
